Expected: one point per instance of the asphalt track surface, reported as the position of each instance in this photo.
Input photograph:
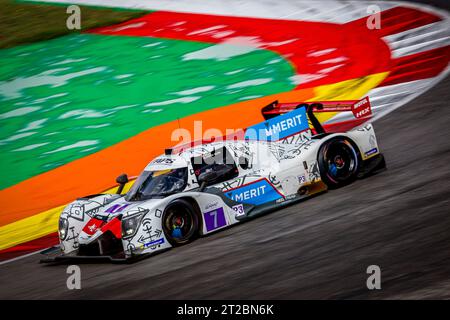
(318, 249)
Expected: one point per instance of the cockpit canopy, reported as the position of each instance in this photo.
(158, 183)
(169, 174)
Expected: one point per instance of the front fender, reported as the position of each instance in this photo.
(77, 214)
(149, 236)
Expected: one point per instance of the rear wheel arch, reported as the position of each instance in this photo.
(353, 143)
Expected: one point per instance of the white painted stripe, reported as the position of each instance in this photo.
(427, 37)
(414, 92)
(336, 11)
(329, 10)
(420, 47)
(431, 36)
(436, 30)
(389, 98)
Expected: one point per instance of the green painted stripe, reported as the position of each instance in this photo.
(66, 98)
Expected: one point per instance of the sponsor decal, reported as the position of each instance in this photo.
(305, 165)
(256, 193)
(371, 152)
(291, 196)
(302, 179)
(154, 243)
(116, 208)
(362, 108)
(214, 219)
(92, 226)
(211, 205)
(334, 108)
(163, 161)
(279, 127)
(239, 209)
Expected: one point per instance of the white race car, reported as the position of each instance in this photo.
(195, 190)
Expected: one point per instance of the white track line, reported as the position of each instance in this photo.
(21, 257)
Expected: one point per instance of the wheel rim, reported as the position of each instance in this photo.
(179, 224)
(340, 160)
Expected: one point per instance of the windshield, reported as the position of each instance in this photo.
(159, 183)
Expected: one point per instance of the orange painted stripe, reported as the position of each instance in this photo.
(97, 171)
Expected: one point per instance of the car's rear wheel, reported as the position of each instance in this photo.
(180, 222)
(338, 162)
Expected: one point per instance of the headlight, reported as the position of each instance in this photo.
(130, 225)
(62, 228)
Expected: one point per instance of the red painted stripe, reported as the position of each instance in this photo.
(417, 66)
(322, 52)
(344, 125)
(29, 247)
(422, 65)
(115, 226)
(398, 19)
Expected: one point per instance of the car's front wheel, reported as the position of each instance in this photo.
(180, 222)
(338, 162)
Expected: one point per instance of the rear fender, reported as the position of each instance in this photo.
(362, 137)
(366, 141)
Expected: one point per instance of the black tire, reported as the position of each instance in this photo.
(339, 162)
(180, 215)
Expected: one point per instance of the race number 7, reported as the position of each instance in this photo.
(214, 215)
(214, 219)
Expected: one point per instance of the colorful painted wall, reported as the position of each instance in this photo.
(78, 110)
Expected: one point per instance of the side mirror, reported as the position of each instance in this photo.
(121, 180)
(205, 178)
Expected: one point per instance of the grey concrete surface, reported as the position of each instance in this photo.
(317, 249)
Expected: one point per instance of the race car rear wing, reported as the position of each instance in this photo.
(361, 110)
(283, 120)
